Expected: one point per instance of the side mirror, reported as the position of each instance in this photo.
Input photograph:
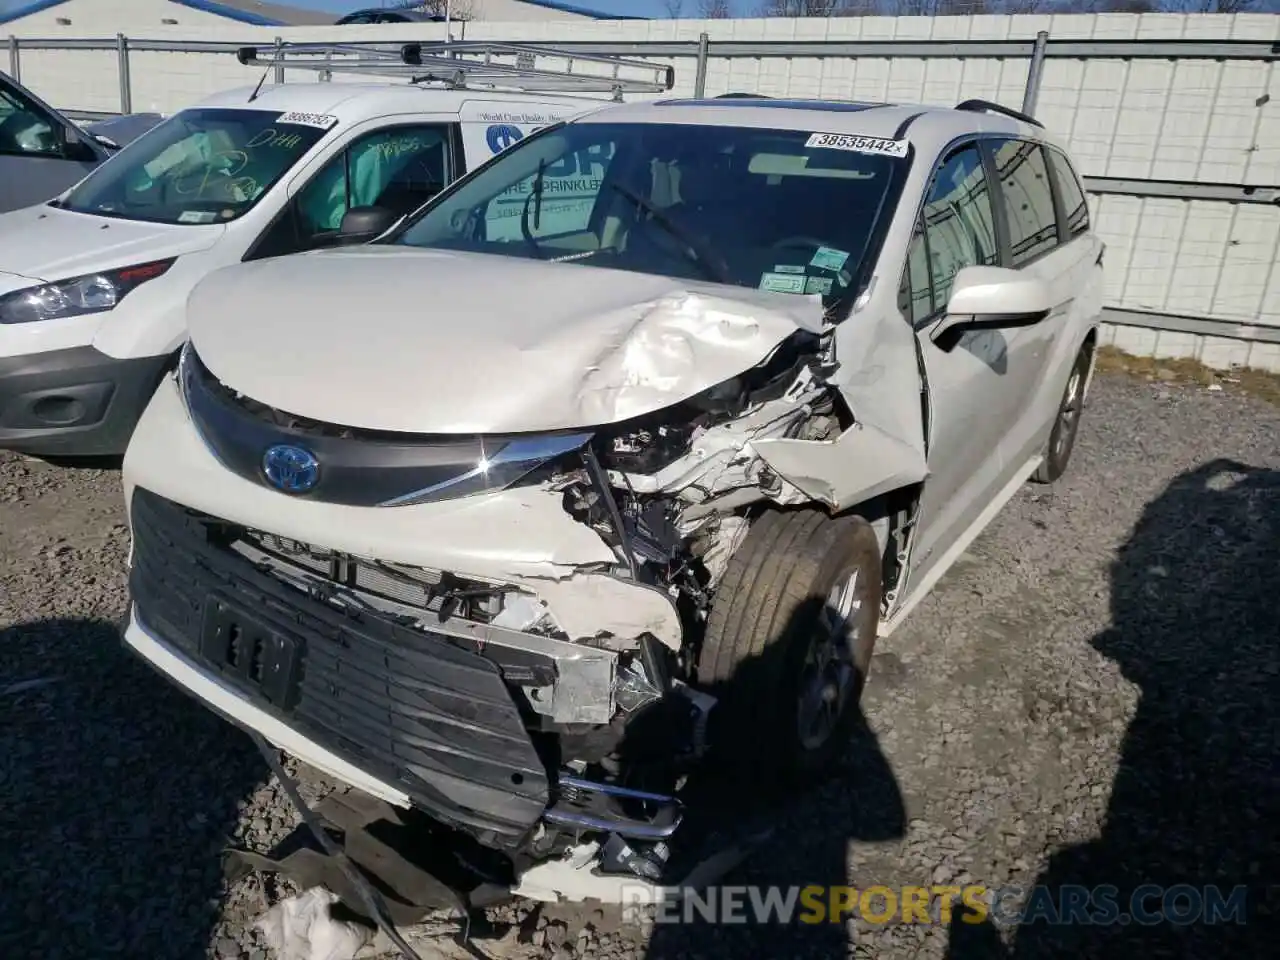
(994, 297)
(362, 224)
(73, 147)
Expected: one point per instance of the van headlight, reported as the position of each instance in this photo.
(92, 293)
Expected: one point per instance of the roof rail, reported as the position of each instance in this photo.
(986, 106)
(467, 64)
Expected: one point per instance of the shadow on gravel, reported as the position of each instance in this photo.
(83, 463)
(1194, 817)
(116, 793)
(860, 801)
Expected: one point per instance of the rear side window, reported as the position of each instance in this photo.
(1028, 199)
(1074, 208)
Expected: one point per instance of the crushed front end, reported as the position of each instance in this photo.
(397, 682)
(499, 655)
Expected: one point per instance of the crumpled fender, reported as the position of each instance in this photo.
(879, 379)
(862, 463)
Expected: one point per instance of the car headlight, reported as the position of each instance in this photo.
(92, 293)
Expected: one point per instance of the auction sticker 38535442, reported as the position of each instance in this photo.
(858, 144)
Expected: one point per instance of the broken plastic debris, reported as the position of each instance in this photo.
(303, 928)
(522, 612)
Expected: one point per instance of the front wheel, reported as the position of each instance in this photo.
(789, 642)
(1062, 438)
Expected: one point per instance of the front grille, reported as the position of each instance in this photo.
(412, 707)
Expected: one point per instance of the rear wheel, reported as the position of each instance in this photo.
(1062, 438)
(789, 643)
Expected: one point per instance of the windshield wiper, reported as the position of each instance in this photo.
(695, 249)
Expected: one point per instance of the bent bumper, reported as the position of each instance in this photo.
(74, 402)
(237, 708)
(408, 715)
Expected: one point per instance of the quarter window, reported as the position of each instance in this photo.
(1075, 210)
(1028, 199)
(958, 231)
(919, 293)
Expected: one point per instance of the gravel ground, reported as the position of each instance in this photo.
(1089, 697)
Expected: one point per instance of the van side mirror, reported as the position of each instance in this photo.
(72, 146)
(362, 224)
(994, 297)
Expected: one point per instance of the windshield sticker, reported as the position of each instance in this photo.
(787, 268)
(324, 121)
(841, 141)
(828, 258)
(820, 285)
(196, 216)
(782, 282)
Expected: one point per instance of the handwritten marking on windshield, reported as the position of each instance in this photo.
(242, 189)
(213, 166)
(270, 137)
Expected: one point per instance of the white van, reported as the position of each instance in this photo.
(94, 284)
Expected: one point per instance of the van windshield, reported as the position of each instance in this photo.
(783, 210)
(199, 166)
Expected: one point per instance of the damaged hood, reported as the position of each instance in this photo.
(428, 341)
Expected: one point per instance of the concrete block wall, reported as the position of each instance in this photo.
(1215, 121)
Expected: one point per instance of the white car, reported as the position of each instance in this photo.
(522, 514)
(93, 284)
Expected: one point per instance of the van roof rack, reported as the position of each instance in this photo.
(986, 106)
(469, 64)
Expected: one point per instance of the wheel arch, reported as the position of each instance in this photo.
(890, 515)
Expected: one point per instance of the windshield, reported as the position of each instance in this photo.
(750, 207)
(199, 166)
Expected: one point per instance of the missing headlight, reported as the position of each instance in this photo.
(648, 448)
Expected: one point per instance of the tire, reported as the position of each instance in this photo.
(1066, 423)
(770, 618)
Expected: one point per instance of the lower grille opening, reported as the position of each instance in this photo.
(415, 708)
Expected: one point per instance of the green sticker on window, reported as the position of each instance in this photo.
(787, 268)
(782, 282)
(820, 285)
(828, 258)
